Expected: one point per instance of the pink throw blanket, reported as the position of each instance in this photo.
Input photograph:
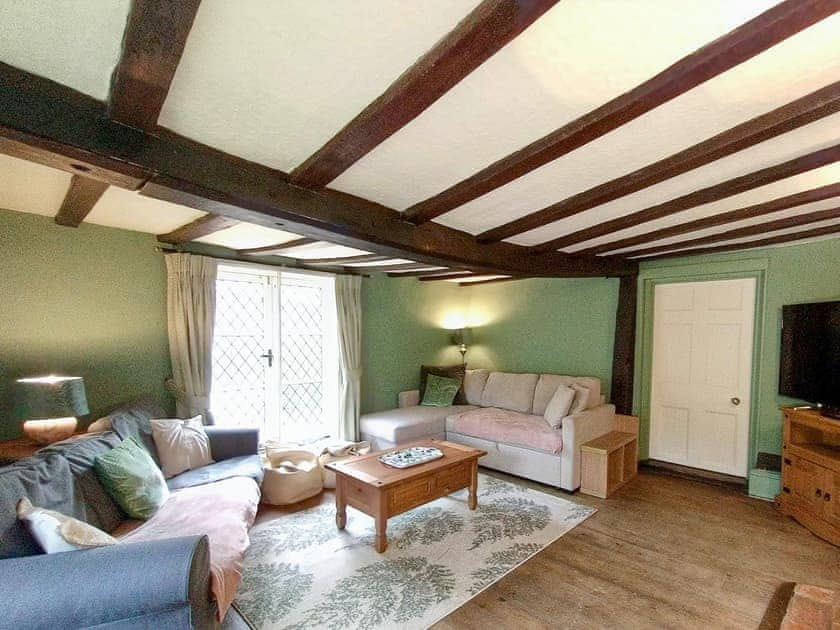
(224, 511)
(509, 427)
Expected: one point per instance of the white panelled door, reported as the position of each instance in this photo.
(702, 373)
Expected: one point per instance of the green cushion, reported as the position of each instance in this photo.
(132, 478)
(440, 391)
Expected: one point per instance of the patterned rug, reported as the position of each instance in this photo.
(302, 572)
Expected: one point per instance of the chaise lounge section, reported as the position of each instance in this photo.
(504, 416)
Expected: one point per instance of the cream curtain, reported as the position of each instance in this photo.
(348, 299)
(191, 310)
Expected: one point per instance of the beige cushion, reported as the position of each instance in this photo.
(408, 423)
(548, 384)
(56, 532)
(507, 390)
(582, 397)
(474, 382)
(559, 405)
(181, 445)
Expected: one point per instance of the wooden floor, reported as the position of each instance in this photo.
(663, 552)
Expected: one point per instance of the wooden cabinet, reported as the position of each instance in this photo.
(811, 472)
(608, 462)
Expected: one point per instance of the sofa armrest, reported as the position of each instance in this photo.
(577, 430)
(162, 583)
(410, 398)
(227, 442)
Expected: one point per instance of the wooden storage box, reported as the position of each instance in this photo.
(608, 462)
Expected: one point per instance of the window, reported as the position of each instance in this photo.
(275, 352)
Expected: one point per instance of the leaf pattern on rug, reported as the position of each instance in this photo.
(499, 563)
(578, 512)
(312, 527)
(401, 589)
(491, 486)
(424, 525)
(270, 591)
(508, 517)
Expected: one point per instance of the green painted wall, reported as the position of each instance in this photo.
(540, 325)
(798, 273)
(89, 301)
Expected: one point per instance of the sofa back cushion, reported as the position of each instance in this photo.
(548, 384)
(135, 420)
(474, 382)
(507, 390)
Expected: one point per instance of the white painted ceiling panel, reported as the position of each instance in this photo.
(390, 261)
(74, 43)
(737, 241)
(129, 210)
(247, 235)
(579, 55)
(827, 204)
(322, 250)
(29, 187)
(805, 181)
(273, 81)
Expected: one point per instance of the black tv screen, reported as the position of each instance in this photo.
(810, 357)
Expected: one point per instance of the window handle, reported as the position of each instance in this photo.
(268, 355)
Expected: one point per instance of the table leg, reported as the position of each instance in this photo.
(474, 486)
(340, 504)
(381, 536)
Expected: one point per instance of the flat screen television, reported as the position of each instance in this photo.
(810, 356)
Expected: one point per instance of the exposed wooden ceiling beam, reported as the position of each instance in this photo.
(781, 120)
(492, 281)
(202, 226)
(751, 230)
(447, 276)
(280, 248)
(346, 260)
(772, 240)
(412, 266)
(747, 212)
(80, 199)
(771, 27)
(424, 272)
(58, 122)
(153, 42)
(733, 186)
(481, 34)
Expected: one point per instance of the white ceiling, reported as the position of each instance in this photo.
(29, 187)
(247, 235)
(129, 210)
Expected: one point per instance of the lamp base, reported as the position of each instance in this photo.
(49, 431)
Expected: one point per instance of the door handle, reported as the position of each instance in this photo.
(818, 492)
(268, 355)
(735, 400)
(827, 496)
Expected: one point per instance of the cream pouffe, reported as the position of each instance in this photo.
(337, 453)
(292, 476)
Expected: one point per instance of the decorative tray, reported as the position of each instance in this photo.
(411, 456)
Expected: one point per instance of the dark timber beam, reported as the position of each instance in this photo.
(624, 346)
(828, 230)
(762, 32)
(153, 43)
(750, 230)
(800, 112)
(80, 199)
(65, 125)
(447, 276)
(202, 226)
(346, 260)
(424, 272)
(492, 281)
(488, 28)
(279, 249)
(412, 266)
(748, 212)
(733, 186)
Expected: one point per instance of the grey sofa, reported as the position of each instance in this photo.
(504, 416)
(157, 584)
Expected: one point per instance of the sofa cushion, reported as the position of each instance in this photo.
(507, 427)
(548, 384)
(243, 466)
(408, 423)
(509, 391)
(181, 444)
(559, 405)
(134, 420)
(56, 532)
(449, 371)
(474, 382)
(440, 391)
(132, 479)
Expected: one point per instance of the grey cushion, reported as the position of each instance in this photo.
(243, 466)
(408, 423)
(134, 420)
(474, 382)
(507, 390)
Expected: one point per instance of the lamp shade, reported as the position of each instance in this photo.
(462, 336)
(48, 397)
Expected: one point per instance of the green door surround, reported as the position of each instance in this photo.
(690, 272)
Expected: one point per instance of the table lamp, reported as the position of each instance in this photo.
(49, 406)
(462, 338)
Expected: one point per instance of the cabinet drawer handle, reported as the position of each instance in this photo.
(827, 496)
(819, 492)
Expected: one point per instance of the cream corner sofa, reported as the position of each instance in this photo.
(504, 416)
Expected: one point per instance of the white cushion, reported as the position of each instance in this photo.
(582, 398)
(56, 532)
(474, 382)
(181, 444)
(511, 391)
(548, 384)
(559, 405)
(408, 423)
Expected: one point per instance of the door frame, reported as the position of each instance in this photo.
(694, 272)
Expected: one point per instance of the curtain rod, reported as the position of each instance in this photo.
(342, 271)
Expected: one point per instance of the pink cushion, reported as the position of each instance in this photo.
(224, 511)
(510, 427)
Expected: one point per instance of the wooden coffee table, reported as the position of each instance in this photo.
(382, 491)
